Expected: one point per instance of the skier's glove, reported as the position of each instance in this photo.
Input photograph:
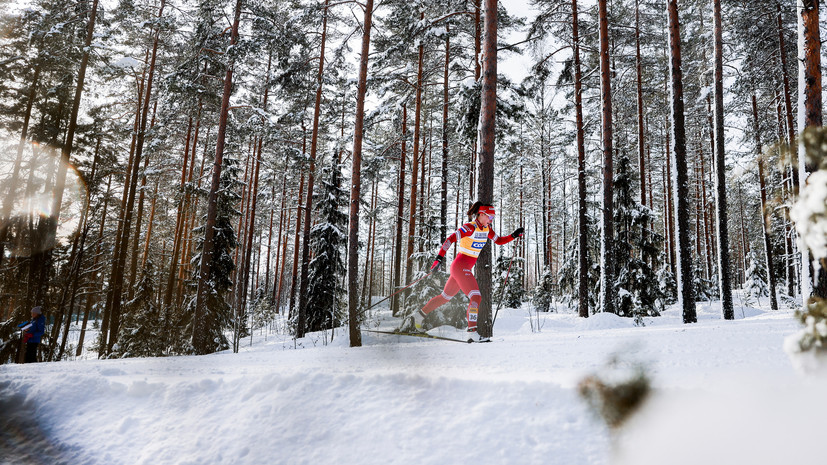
(437, 265)
(519, 232)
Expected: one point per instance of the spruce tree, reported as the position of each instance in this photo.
(218, 315)
(327, 241)
(636, 249)
(142, 332)
(508, 282)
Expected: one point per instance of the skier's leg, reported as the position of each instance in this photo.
(450, 290)
(468, 283)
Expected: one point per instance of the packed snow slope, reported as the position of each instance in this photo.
(721, 388)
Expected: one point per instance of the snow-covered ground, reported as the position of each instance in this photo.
(725, 392)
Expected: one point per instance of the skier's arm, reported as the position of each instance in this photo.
(464, 231)
(505, 239)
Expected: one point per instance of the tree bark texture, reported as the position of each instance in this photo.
(680, 181)
(354, 314)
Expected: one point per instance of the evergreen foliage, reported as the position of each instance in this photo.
(508, 281)
(637, 247)
(756, 277)
(544, 292)
(325, 306)
(143, 331)
(219, 314)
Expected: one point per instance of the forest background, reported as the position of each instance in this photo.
(177, 174)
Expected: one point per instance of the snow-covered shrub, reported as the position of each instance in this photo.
(544, 292)
(325, 306)
(508, 281)
(756, 283)
(143, 331)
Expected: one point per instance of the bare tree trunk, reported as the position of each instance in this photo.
(639, 81)
(809, 114)
(443, 199)
(607, 237)
(582, 210)
(118, 265)
(766, 211)
(295, 275)
(485, 183)
(252, 202)
(724, 280)
(788, 106)
(686, 295)
(409, 265)
(89, 298)
(11, 195)
(179, 225)
(397, 261)
(314, 139)
(200, 340)
(354, 316)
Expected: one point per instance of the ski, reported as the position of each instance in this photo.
(424, 335)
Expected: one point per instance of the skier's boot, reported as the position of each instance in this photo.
(418, 317)
(474, 336)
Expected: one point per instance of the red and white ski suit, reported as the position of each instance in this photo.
(472, 238)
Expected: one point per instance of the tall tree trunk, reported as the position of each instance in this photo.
(201, 317)
(90, 300)
(295, 275)
(252, 202)
(308, 205)
(409, 265)
(68, 144)
(443, 199)
(582, 209)
(179, 224)
(809, 114)
(485, 183)
(400, 207)
(641, 143)
(118, 266)
(11, 195)
(785, 78)
(766, 215)
(686, 295)
(724, 280)
(354, 316)
(607, 236)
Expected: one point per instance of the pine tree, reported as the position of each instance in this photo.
(756, 277)
(637, 249)
(217, 316)
(544, 291)
(325, 306)
(508, 281)
(142, 331)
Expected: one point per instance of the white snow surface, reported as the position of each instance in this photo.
(724, 392)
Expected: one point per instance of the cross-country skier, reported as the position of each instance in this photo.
(472, 238)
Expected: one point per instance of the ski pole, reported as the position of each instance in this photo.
(500, 302)
(397, 292)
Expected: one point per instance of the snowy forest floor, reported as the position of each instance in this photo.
(724, 392)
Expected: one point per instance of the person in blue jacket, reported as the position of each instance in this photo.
(33, 333)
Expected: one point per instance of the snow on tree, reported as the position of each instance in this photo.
(508, 281)
(325, 306)
(544, 291)
(756, 277)
(144, 332)
(636, 248)
(218, 316)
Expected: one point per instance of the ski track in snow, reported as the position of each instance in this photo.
(395, 400)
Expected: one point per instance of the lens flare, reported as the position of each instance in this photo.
(42, 199)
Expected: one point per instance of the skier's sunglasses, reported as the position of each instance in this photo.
(488, 211)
